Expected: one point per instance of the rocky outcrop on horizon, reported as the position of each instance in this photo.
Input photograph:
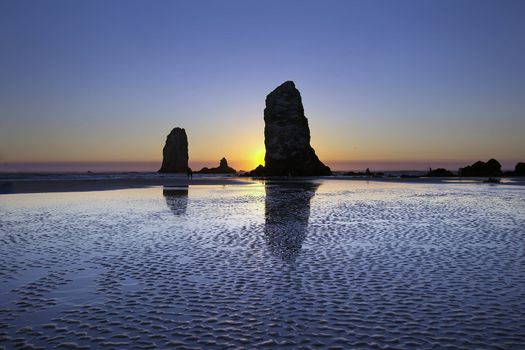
(257, 172)
(490, 168)
(287, 136)
(223, 168)
(519, 169)
(175, 152)
(439, 172)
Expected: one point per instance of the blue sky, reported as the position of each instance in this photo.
(414, 82)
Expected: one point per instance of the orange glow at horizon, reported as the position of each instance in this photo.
(340, 146)
(259, 157)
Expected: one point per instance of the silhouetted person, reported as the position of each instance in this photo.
(189, 173)
(176, 199)
(287, 210)
(367, 172)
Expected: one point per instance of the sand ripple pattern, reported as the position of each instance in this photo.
(333, 264)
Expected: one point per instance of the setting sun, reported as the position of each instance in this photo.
(258, 157)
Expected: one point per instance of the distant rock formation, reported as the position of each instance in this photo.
(259, 171)
(439, 172)
(175, 152)
(519, 170)
(287, 136)
(490, 168)
(223, 168)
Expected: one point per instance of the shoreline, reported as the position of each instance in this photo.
(21, 186)
(83, 185)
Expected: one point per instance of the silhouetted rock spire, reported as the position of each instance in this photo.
(175, 152)
(287, 135)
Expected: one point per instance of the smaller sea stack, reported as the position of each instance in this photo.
(175, 152)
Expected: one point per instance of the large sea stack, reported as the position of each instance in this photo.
(287, 136)
(175, 152)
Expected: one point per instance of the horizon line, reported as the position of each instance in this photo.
(153, 166)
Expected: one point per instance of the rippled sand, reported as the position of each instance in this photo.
(340, 264)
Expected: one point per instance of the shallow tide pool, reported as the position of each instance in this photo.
(328, 263)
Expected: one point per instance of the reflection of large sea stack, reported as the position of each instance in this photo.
(176, 199)
(287, 210)
(287, 135)
(175, 152)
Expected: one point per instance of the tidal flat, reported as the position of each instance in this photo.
(289, 264)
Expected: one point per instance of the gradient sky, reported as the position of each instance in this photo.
(392, 84)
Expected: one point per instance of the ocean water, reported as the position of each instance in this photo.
(320, 264)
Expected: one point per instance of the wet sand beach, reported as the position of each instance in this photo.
(273, 264)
